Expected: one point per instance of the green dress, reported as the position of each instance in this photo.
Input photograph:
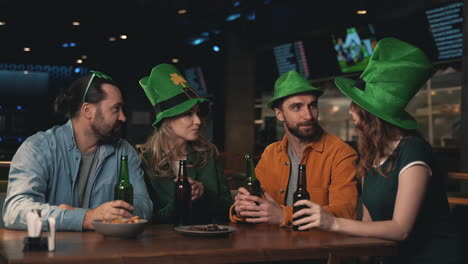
(431, 240)
(213, 206)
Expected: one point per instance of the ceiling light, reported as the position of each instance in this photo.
(181, 11)
(361, 12)
(84, 57)
(233, 17)
(175, 60)
(123, 36)
(27, 49)
(112, 39)
(79, 61)
(2, 23)
(75, 23)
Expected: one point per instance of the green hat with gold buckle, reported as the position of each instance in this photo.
(395, 73)
(291, 83)
(169, 92)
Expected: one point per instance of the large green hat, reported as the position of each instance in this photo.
(169, 92)
(396, 71)
(291, 83)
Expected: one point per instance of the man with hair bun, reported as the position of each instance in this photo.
(69, 172)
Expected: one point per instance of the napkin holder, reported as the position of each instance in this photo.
(35, 241)
(35, 244)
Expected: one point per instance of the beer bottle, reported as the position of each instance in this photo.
(300, 193)
(124, 189)
(251, 183)
(183, 197)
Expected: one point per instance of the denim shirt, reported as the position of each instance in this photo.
(44, 172)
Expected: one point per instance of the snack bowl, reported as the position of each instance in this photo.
(124, 230)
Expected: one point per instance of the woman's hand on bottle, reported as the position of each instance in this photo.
(197, 189)
(316, 216)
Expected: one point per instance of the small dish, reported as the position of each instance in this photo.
(190, 230)
(124, 230)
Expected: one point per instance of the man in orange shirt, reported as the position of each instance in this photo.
(330, 163)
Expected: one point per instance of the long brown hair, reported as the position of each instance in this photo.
(374, 138)
(162, 151)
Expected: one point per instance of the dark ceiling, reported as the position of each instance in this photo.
(156, 32)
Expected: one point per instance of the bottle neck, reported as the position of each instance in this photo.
(301, 179)
(123, 177)
(182, 170)
(250, 168)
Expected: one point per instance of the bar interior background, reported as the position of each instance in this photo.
(231, 52)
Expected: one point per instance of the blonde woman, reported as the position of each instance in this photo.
(178, 136)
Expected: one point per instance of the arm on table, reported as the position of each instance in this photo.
(410, 195)
(27, 190)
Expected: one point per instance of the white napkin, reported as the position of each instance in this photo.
(34, 222)
(51, 237)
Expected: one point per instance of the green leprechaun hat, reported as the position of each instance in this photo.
(396, 71)
(291, 83)
(169, 92)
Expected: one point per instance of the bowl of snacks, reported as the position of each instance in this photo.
(123, 227)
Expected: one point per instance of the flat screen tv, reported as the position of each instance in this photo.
(446, 27)
(291, 56)
(353, 46)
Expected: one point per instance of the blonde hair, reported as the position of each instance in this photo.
(158, 151)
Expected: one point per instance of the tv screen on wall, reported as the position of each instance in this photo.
(353, 46)
(291, 56)
(446, 27)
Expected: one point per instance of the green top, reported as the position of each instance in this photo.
(213, 205)
(430, 240)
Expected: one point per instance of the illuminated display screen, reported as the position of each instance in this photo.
(446, 27)
(291, 56)
(353, 47)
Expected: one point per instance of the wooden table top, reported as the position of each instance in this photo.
(250, 243)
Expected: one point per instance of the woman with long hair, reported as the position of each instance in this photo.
(403, 195)
(178, 136)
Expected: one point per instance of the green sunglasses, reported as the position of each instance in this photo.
(98, 74)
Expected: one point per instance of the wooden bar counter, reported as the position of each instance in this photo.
(161, 244)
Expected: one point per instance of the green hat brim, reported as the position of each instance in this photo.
(346, 86)
(178, 109)
(302, 89)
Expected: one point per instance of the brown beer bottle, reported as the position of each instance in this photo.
(300, 193)
(251, 183)
(183, 197)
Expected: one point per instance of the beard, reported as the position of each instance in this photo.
(107, 133)
(310, 134)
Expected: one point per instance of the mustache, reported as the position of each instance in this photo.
(307, 123)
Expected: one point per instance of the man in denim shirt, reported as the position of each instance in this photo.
(69, 172)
